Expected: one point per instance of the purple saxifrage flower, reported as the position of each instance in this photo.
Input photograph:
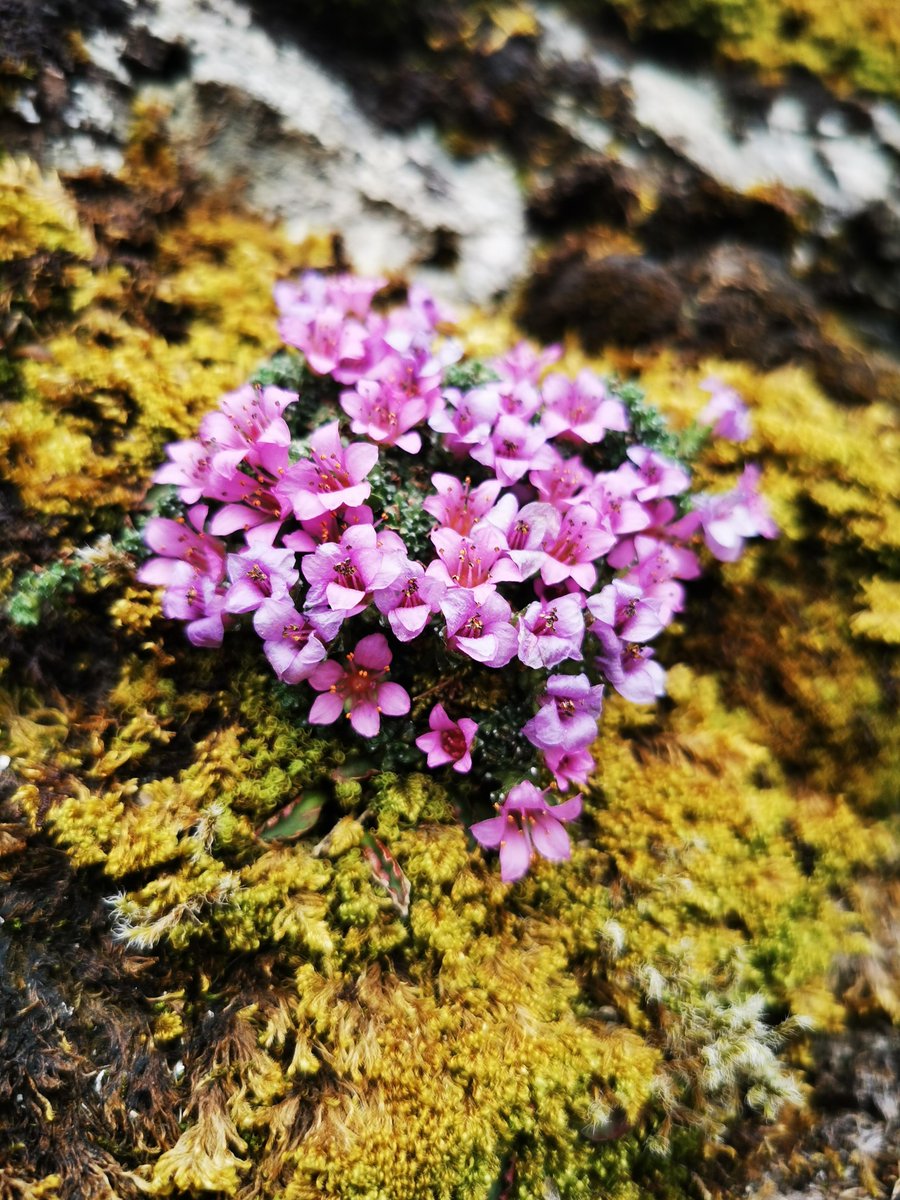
(360, 688)
(449, 741)
(726, 412)
(293, 642)
(568, 714)
(332, 476)
(527, 823)
(479, 625)
(344, 574)
(551, 631)
(409, 600)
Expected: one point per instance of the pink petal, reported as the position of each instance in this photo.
(326, 709)
(372, 652)
(408, 623)
(515, 855)
(550, 838)
(393, 699)
(569, 810)
(243, 596)
(326, 675)
(208, 631)
(488, 833)
(343, 598)
(360, 458)
(365, 719)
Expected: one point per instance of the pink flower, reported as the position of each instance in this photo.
(572, 551)
(470, 561)
(188, 469)
(327, 338)
(726, 412)
(256, 574)
(580, 410)
(624, 608)
(332, 476)
(568, 714)
(514, 448)
(359, 688)
(249, 416)
(449, 741)
(612, 496)
(524, 363)
(660, 476)
(344, 574)
(569, 766)
(465, 420)
(197, 599)
(410, 600)
(525, 530)
(457, 507)
(384, 414)
(561, 482)
(520, 399)
(730, 518)
(527, 823)
(294, 643)
(176, 542)
(632, 670)
(551, 631)
(478, 624)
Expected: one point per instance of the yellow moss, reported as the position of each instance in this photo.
(135, 610)
(37, 214)
(167, 1027)
(880, 621)
(94, 419)
(852, 43)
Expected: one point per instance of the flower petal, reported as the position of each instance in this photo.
(326, 709)
(393, 700)
(515, 854)
(550, 837)
(365, 719)
(488, 833)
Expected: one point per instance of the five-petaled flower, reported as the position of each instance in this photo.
(524, 824)
(449, 741)
(360, 688)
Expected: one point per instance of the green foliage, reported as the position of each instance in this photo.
(41, 588)
(469, 374)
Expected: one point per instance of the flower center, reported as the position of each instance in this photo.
(546, 622)
(349, 575)
(453, 743)
(474, 627)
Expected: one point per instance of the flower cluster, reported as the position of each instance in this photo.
(559, 547)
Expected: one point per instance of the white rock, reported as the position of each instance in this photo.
(273, 116)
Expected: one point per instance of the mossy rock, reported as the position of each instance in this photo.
(192, 1009)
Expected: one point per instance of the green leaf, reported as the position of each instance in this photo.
(294, 819)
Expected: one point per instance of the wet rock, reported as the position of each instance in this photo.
(621, 300)
(590, 188)
(745, 305)
(694, 210)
